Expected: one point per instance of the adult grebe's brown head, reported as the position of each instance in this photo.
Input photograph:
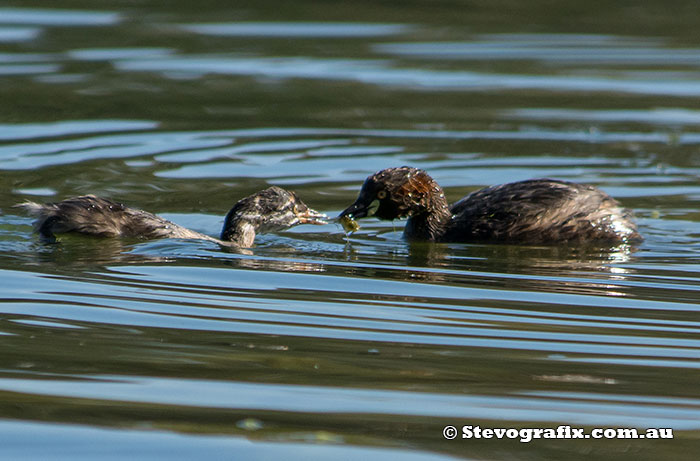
(396, 193)
(269, 210)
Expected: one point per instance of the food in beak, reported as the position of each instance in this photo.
(349, 224)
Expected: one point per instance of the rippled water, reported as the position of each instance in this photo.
(312, 344)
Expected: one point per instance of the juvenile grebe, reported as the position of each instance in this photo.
(535, 211)
(269, 210)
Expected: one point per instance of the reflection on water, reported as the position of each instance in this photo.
(379, 72)
(18, 34)
(651, 116)
(106, 54)
(15, 131)
(57, 17)
(298, 30)
(601, 408)
(313, 344)
(561, 48)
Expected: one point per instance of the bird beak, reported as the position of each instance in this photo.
(359, 209)
(356, 210)
(311, 216)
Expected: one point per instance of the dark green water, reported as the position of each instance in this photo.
(312, 345)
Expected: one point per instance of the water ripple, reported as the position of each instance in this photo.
(261, 396)
(380, 72)
(272, 303)
(573, 53)
(57, 17)
(22, 437)
(298, 29)
(16, 131)
(18, 34)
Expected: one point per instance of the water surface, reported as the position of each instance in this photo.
(313, 344)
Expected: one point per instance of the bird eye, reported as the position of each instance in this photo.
(381, 194)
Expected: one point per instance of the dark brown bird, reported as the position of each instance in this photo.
(536, 211)
(269, 210)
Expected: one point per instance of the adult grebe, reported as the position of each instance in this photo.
(537, 211)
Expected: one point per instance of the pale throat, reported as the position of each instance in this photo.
(244, 234)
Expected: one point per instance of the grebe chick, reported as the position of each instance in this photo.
(536, 211)
(269, 210)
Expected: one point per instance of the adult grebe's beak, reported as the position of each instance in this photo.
(360, 209)
(311, 216)
(355, 211)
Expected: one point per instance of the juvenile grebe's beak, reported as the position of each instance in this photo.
(311, 216)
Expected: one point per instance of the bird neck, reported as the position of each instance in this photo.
(239, 228)
(432, 221)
